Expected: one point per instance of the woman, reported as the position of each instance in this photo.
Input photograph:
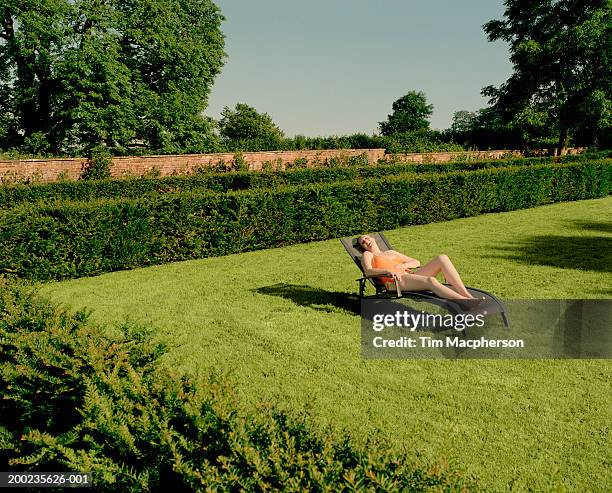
(407, 272)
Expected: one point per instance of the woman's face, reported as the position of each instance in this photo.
(367, 242)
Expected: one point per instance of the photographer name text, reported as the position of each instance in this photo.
(448, 342)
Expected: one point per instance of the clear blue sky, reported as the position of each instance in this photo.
(325, 67)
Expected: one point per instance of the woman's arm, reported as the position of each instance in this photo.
(409, 262)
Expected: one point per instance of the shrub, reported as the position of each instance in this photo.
(298, 163)
(415, 141)
(300, 142)
(420, 141)
(239, 163)
(78, 399)
(97, 166)
(298, 174)
(78, 239)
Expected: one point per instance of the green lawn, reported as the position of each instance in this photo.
(284, 324)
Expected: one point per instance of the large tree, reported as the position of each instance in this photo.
(245, 123)
(410, 112)
(562, 56)
(78, 74)
(463, 122)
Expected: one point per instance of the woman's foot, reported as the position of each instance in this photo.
(471, 303)
(459, 291)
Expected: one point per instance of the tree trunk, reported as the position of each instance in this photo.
(45, 91)
(27, 108)
(563, 136)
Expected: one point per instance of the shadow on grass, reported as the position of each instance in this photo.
(600, 226)
(567, 252)
(319, 299)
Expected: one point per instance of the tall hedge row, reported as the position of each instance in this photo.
(15, 194)
(76, 239)
(77, 399)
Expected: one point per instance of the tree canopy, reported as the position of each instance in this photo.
(118, 74)
(463, 121)
(486, 129)
(245, 123)
(562, 56)
(410, 112)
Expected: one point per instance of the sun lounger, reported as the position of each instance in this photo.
(354, 250)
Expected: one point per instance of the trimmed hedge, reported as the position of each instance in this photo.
(78, 239)
(77, 399)
(414, 141)
(15, 194)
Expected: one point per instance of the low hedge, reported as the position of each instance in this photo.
(15, 194)
(76, 239)
(77, 399)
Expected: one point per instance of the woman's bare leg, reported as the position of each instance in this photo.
(416, 282)
(443, 264)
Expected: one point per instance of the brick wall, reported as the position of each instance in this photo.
(445, 157)
(52, 169)
(187, 163)
(40, 169)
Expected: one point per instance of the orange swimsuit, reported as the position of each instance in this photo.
(389, 263)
